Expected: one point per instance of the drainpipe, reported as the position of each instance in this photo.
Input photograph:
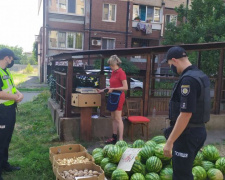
(89, 43)
(127, 23)
(43, 42)
(187, 3)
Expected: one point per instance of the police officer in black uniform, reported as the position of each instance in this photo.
(9, 96)
(189, 110)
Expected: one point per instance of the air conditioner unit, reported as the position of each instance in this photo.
(96, 42)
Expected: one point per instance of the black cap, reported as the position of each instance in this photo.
(7, 52)
(175, 52)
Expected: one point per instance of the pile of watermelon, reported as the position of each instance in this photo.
(151, 164)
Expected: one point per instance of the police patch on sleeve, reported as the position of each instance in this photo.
(185, 90)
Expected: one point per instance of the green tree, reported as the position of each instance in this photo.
(205, 23)
(126, 65)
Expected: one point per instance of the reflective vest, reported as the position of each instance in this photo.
(202, 114)
(8, 86)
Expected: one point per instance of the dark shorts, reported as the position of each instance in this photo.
(185, 149)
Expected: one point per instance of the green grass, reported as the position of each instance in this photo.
(33, 89)
(33, 135)
(20, 77)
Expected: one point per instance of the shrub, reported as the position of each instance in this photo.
(29, 69)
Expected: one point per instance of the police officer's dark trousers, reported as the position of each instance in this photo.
(185, 149)
(7, 123)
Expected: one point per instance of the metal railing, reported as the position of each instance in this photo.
(154, 92)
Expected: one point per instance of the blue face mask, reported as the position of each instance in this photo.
(174, 69)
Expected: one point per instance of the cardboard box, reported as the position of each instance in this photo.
(86, 100)
(69, 148)
(56, 165)
(89, 166)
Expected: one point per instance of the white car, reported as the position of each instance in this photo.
(134, 83)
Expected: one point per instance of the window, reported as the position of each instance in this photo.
(108, 43)
(171, 19)
(156, 14)
(79, 41)
(135, 12)
(61, 39)
(53, 38)
(68, 40)
(53, 5)
(67, 6)
(62, 6)
(109, 12)
(146, 13)
(71, 6)
(80, 7)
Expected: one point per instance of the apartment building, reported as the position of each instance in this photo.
(76, 25)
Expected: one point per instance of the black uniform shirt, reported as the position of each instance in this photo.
(188, 92)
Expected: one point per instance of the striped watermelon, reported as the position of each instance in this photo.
(138, 167)
(150, 143)
(138, 143)
(159, 152)
(198, 159)
(152, 176)
(123, 149)
(119, 174)
(121, 143)
(159, 139)
(104, 162)
(210, 153)
(207, 165)
(166, 174)
(146, 152)
(199, 173)
(106, 148)
(153, 164)
(137, 176)
(96, 150)
(98, 157)
(109, 168)
(114, 154)
(220, 164)
(215, 174)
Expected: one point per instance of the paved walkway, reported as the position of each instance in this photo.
(29, 96)
(31, 83)
(215, 136)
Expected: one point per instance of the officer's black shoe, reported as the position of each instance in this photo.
(10, 168)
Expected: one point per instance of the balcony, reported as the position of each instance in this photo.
(155, 25)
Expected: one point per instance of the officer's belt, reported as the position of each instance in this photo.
(196, 125)
(172, 123)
